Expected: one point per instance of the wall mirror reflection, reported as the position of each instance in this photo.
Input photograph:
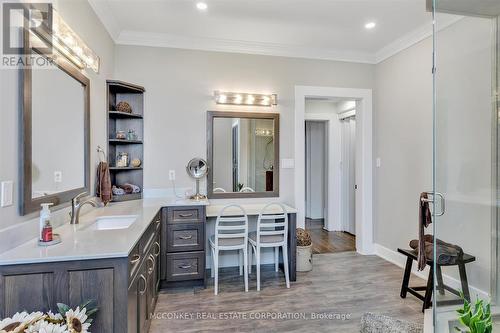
(55, 128)
(243, 154)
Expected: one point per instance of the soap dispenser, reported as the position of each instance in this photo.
(44, 218)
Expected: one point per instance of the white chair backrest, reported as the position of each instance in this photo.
(269, 224)
(247, 189)
(232, 226)
(219, 189)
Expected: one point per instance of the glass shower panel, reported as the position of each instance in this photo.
(465, 155)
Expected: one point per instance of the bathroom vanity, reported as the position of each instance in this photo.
(119, 267)
(120, 256)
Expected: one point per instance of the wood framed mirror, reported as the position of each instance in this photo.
(54, 132)
(243, 154)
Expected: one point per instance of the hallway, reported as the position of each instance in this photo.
(329, 242)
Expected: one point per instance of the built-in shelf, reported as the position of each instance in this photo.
(127, 197)
(119, 91)
(124, 115)
(124, 169)
(125, 142)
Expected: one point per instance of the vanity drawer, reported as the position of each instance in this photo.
(185, 237)
(184, 214)
(185, 266)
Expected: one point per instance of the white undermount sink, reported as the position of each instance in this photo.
(113, 222)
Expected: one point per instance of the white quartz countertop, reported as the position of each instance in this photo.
(81, 242)
(250, 209)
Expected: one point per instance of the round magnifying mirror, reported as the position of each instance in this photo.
(197, 168)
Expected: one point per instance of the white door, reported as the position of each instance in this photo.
(348, 183)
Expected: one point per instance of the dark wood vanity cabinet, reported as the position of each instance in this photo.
(183, 245)
(144, 281)
(125, 289)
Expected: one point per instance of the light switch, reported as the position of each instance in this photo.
(171, 174)
(378, 162)
(287, 163)
(7, 193)
(57, 176)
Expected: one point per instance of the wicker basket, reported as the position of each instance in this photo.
(124, 107)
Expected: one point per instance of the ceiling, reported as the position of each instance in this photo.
(319, 29)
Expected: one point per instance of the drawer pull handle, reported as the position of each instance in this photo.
(157, 252)
(186, 215)
(142, 292)
(151, 259)
(135, 259)
(185, 266)
(186, 237)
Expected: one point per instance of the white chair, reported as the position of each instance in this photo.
(231, 233)
(247, 189)
(270, 233)
(219, 189)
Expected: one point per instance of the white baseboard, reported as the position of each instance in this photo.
(400, 260)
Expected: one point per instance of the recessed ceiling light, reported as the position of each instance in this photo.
(370, 25)
(201, 6)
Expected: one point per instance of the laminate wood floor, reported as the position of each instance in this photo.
(329, 241)
(340, 285)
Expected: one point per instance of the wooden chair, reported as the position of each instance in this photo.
(272, 232)
(231, 233)
(411, 256)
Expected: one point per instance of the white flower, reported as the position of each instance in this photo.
(45, 327)
(76, 321)
(54, 316)
(19, 322)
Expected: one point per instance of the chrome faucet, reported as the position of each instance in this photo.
(76, 205)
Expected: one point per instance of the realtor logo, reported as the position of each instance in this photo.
(19, 21)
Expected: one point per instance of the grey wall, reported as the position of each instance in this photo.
(179, 86)
(403, 141)
(15, 229)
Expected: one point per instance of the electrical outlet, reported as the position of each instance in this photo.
(7, 193)
(171, 174)
(57, 176)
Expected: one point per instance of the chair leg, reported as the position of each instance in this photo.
(406, 277)
(249, 259)
(216, 268)
(240, 259)
(276, 258)
(213, 263)
(245, 267)
(439, 280)
(463, 279)
(285, 265)
(257, 259)
(428, 290)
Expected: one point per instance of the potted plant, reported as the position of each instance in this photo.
(475, 319)
(304, 250)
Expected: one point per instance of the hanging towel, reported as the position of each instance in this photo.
(424, 220)
(103, 186)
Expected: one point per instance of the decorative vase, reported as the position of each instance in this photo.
(304, 258)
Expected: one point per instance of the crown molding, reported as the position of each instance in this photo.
(125, 37)
(104, 13)
(414, 37)
(240, 46)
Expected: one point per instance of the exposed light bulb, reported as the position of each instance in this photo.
(222, 98)
(201, 6)
(370, 25)
(238, 99)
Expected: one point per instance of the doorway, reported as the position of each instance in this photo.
(330, 140)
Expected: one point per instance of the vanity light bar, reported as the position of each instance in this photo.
(67, 42)
(233, 98)
(264, 132)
